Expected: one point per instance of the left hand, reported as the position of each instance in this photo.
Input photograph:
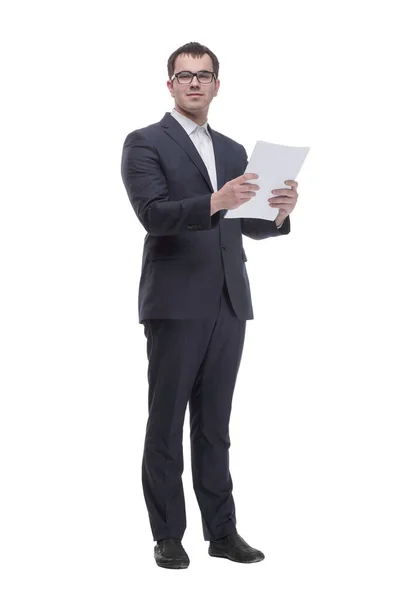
(285, 201)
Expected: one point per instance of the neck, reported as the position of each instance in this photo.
(198, 118)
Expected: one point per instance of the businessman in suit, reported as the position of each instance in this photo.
(181, 177)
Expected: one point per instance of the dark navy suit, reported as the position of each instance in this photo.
(194, 300)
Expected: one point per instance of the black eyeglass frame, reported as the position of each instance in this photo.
(175, 76)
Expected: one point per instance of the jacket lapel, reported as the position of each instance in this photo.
(174, 130)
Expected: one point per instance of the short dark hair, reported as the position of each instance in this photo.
(195, 50)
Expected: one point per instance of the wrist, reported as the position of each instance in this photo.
(279, 221)
(215, 203)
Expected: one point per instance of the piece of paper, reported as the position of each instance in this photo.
(274, 164)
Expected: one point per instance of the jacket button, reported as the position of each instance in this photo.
(223, 247)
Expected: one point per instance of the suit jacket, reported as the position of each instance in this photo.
(187, 254)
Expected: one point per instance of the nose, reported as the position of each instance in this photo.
(198, 82)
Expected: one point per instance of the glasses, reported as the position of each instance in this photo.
(187, 76)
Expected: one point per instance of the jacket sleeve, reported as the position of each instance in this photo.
(147, 190)
(259, 229)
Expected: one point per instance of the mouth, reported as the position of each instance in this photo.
(190, 95)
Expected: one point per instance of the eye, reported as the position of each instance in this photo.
(205, 76)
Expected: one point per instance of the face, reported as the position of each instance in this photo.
(193, 107)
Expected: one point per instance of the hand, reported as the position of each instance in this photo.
(236, 192)
(285, 201)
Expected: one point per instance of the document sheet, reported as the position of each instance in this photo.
(274, 164)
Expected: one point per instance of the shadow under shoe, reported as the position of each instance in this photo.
(234, 548)
(169, 553)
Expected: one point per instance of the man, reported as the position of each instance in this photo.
(181, 177)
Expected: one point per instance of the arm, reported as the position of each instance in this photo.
(147, 190)
(259, 229)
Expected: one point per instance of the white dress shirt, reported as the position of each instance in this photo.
(201, 138)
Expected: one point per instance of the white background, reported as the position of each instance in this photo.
(315, 419)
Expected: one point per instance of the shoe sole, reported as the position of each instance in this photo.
(172, 564)
(230, 557)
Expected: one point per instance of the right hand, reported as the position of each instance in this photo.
(236, 191)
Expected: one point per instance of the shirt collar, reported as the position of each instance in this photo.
(188, 125)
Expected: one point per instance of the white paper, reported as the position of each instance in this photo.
(274, 164)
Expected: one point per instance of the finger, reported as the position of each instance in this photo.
(291, 182)
(250, 186)
(280, 200)
(285, 192)
(287, 207)
(243, 178)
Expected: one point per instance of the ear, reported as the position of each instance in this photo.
(170, 87)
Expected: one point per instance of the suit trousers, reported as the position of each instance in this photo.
(195, 360)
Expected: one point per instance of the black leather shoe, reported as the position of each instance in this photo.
(170, 553)
(235, 548)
